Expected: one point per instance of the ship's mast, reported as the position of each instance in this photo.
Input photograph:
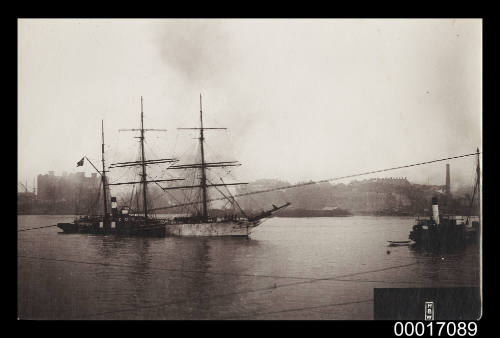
(143, 164)
(103, 176)
(203, 165)
(478, 182)
(203, 182)
(477, 186)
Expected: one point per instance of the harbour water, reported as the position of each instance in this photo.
(289, 268)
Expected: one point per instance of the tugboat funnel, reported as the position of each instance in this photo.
(114, 210)
(435, 210)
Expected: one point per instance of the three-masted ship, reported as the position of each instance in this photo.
(202, 222)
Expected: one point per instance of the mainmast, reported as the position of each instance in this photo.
(103, 176)
(203, 166)
(203, 182)
(143, 164)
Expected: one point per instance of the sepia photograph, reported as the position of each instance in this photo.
(250, 169)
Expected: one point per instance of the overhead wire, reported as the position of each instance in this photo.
(315, 182)
(334, 178)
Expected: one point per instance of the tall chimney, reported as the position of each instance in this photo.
(447, 179)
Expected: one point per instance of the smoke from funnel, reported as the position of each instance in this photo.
(199, 50)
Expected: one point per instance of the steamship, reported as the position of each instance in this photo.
(199, 222)
(447, 231)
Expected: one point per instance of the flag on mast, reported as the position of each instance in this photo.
(80, 163)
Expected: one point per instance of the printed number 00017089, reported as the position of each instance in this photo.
(460, 329)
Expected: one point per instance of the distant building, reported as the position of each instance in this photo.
(25, 197)
(69, 187)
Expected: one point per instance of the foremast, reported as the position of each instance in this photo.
(102, 174)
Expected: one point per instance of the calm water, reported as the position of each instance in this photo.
(302, 268)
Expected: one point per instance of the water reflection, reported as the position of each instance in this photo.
(110, 277)
(183, 276)
(437, 251)
(456, 266)
(217, 262)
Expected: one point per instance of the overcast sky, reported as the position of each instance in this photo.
(303, 99)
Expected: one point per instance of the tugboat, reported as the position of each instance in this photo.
(438, 231)
(118, 221)
(447, 231)
(124, 221)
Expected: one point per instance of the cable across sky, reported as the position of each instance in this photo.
(301, 184)
(322, 181)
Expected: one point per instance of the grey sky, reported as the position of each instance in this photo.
(303, 99)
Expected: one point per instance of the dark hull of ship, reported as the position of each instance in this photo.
(160, 228)
(115, 227)
(443, 236)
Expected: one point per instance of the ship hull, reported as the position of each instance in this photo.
(68, 227)
(115, 227)
(446, 235)
(210, 229)
(438, 239)
(161, 228)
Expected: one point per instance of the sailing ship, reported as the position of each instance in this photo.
(202, 222)
(448, 231)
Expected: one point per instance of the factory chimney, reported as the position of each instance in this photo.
(447, 179)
